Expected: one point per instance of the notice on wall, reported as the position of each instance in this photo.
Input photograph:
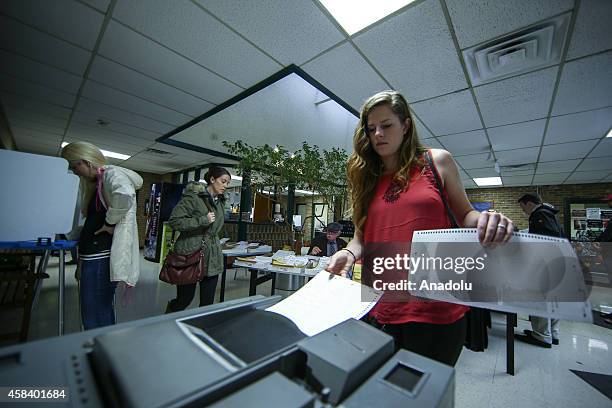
(593, 213)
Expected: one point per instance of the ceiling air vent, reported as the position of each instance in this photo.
(158, 152)
(534, 47)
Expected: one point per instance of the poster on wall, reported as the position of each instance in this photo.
(593, 213)
(481, 206)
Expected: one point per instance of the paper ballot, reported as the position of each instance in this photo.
(531, 274)
(326, 301)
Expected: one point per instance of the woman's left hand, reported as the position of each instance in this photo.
(494, 228)
(105, 228)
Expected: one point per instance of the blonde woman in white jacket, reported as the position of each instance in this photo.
(108, 244)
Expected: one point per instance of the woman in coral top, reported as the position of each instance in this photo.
(394, 193)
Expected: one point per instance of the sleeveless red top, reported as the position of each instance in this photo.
(392, 217)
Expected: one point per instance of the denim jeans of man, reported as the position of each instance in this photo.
(97, 294)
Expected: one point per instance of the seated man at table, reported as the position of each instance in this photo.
(329, 243)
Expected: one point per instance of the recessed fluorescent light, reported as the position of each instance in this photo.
(106, 153)
(488, 181)
(609, 133)
(355, 15)
(236, 178)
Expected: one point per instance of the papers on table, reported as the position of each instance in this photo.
(326, 301)
(531, 274)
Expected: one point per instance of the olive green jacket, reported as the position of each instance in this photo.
(189, 217)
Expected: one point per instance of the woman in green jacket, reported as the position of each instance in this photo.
(199, 218)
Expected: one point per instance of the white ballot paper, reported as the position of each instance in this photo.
(531, 274)
(326, 301)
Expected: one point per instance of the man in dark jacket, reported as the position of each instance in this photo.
(542, 221)
(328, 244)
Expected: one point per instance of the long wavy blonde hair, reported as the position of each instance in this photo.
(365, 166)
(89, 153)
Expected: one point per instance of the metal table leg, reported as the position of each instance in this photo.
(273, 284)
(60, 299)
(510, 323)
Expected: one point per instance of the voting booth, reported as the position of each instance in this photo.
(39, 197)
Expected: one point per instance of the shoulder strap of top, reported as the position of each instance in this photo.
(432, 166)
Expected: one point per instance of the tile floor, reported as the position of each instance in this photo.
(542, 376)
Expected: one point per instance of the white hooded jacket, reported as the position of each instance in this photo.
(119, 187)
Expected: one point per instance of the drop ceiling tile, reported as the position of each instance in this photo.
(517, 99)
(603, 164)
(518, 156)
(21, 39)
(143, 55)
(476, 21)
(608, 179)
(37, 92)
(42, 137)
(185, 152)
(335, 66)
(78, 130)
(566, 151)
(517, 180)
(408, 49)
(520, 135)
(469, 184)
(119, 77)
(37, 149)
(557, 166)
(28, 69)
(466, 143)
(585, 84)
(421, 129)
(578, 126)
(91, 120)
(592, 32)
(57, 124)
(53, 17)
(552, 179)
(29, 125)
(117, 115)
(282, 28)
(463, 175)
(133, 104)
(517, 171)
(432, 143)
(101, 5)
(485, 172)
(187, 29)
(603, 149)
(585, 176)
(32, 105)
(453, 113)
(475, 161)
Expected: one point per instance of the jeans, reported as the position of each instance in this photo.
(97, 295)
(544, 329)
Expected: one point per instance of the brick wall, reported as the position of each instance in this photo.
(143, 195)
(505, 199)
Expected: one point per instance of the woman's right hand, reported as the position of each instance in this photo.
(340, 263)
(211, 217)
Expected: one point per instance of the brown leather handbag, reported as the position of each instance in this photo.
(183, 269)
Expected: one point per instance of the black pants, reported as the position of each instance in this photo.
(440, 342)
(185, 293)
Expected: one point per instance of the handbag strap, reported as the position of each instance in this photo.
(431, 165)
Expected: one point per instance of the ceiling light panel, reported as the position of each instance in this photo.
(488, 181)
(355, 15)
